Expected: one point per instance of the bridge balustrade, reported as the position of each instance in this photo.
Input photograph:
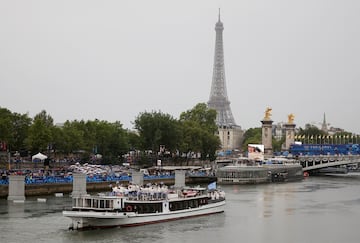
(322, 161)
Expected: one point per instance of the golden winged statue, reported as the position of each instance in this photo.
(267, 113)
(291, 118)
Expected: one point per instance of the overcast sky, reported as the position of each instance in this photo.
(112, 60)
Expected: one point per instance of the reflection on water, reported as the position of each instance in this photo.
(289, 212)
(15, 210)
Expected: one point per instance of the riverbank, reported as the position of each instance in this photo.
(52, 188)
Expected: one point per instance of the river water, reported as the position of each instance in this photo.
(317, 209)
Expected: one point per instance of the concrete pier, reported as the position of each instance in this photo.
(16, 188)
(79, 185)
(137, 178)
(180, 178)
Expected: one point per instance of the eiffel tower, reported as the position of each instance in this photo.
(324, 127)
(229, 133)
(218, 94)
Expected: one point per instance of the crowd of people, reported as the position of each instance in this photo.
(95, 173)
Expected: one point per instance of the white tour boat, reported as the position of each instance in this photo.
(134, 205)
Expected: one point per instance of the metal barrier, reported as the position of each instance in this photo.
(89, 179)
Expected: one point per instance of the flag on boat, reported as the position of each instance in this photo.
(212, 186)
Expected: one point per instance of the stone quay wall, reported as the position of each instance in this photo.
(66, 188)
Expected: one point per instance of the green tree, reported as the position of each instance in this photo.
(40, 133)
(21, 124)
(108, 139)
(192, 133)
(134, 140)
(71, 137)
(111, 140)
(277, 144)
(157, 128)
(6, 126)
(14, 129)
(58, 142)
(252, 136)
(199, 131)
(202, 115)
(311, 130)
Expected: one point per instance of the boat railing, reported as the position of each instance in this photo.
(156, 196)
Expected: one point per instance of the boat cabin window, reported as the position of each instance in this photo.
(87, 203)
(92, 203)
(144, 207)
(95, 203)
(181, 205)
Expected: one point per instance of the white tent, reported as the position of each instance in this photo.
(38, 156)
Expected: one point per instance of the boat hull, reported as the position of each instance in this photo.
(85, 220)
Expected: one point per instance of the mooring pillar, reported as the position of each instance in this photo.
(180, 178)
(79, 185)
(137, 178)
(16, 187)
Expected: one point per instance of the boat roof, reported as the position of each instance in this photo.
(242, 167)
(178, 167)
(280, 159)
(198, 188)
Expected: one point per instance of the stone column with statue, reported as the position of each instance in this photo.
(289, 131)
(267, 133)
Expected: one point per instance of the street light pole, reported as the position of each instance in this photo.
(9, 157)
